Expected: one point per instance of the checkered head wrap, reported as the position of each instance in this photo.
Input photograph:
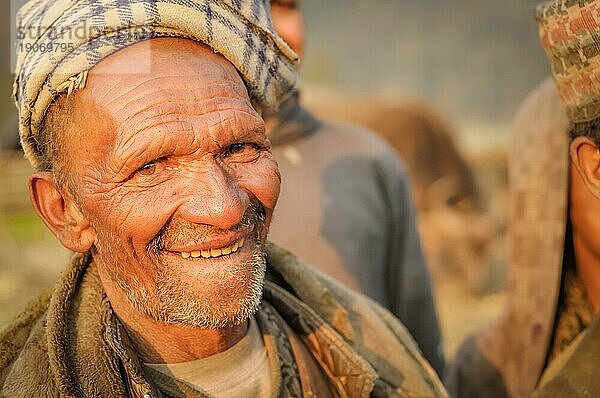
(59, 41)
(570, 34)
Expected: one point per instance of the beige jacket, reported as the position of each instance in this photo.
(70, 344)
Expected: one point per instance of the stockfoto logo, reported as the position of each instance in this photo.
(33, 39)
(51, 39)
(34, 33)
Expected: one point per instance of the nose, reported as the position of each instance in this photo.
(214, 198)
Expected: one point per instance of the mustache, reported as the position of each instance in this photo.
(183, 233)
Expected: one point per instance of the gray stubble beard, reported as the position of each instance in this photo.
(176, 306)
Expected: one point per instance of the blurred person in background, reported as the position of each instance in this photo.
(547, 341)
(152, 164)
(456, 231)
(345, 206)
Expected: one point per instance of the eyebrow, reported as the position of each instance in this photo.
(148, 143)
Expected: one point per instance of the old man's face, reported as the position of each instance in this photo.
(172, 168)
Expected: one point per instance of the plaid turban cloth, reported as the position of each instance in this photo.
(570, 35)
(60, 40)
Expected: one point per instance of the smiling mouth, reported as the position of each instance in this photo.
(214, 253)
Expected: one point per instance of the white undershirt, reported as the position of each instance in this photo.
(241, 371)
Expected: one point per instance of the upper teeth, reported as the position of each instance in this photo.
(215, 252)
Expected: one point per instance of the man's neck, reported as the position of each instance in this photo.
(583, 214)
(588, 270)
(157, 342)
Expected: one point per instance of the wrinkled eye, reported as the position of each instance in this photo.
(148, 169)
(242, 150)
(235, 148)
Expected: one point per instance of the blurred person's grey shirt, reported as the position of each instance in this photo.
(345, 207)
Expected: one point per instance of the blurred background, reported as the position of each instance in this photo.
(450, 75)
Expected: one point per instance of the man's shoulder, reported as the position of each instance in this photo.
(23, 350)
(473, 375)
(366, 327)
(355, 149)
(354, 137)
(327, 296)
(334, 136)
(574, 372)
(14, 335)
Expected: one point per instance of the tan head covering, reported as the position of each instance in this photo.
(569, 32)
(517, 343)
(60, 40)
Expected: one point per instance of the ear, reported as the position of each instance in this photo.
(60, 213)
(585, 156)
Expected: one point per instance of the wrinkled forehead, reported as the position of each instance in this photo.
(163, 59)
(161, 71)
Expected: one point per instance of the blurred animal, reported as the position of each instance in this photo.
(455, 228)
